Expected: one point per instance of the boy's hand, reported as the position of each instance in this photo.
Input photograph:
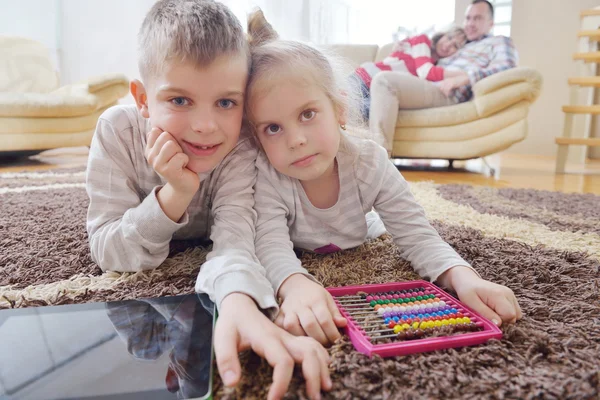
(308, 309)
(242, 326)
(495, 302)
(167, 158)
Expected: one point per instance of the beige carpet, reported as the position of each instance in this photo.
(544, 245)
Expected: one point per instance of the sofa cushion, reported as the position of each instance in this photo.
(466, 131)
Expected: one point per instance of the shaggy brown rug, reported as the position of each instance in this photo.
(543, 245)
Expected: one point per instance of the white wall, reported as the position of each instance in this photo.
(545, 34)
(35, 19)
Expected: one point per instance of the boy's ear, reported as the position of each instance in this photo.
(141, 99)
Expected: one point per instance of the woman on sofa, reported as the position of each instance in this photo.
(416, 55)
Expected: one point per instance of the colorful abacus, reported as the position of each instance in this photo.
(409, 317)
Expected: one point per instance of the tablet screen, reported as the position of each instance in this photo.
(135, 349)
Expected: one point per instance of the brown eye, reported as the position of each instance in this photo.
(308, 115)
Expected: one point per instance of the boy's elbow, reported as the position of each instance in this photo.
(110, 261)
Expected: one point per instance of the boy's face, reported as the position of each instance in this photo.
(201, 107)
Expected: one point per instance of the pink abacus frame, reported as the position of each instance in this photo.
(400, 348)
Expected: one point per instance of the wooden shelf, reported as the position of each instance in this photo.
(593, 34)
(590, 13)
(593, 56)
(585, 81)
(595, 109)
(580, 141)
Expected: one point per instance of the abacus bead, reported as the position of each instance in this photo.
(377, 307)
(373, 303)
(391, 324)
(419, 298)
(396, 318)
(397, 328)
(369, 298)
(381, 311)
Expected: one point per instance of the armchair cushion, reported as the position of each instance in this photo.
(67, 101)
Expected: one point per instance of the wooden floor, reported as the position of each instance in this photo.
(516, 171)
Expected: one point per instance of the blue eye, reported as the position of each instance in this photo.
(180, 101)
(272, 129)
(226, 103)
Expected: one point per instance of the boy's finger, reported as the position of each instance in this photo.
(164, 156)
(325, 319)
(283, 366)
(152, 136)
(472, 300)
(311, 369)
(163, 139)
(178, 161)
(324, 359)
(311, 326)
(226, 353)
(305, 350)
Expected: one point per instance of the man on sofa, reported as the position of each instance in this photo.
(482, 56)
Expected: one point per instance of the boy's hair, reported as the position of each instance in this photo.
(452, 32)
(268, 54)
(194, 31)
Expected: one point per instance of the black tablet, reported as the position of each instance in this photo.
(135, 349)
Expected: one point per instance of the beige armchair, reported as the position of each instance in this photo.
(493, 120)
(35, 112)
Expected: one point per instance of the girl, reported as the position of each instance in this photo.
(416, 55)
(317, 186)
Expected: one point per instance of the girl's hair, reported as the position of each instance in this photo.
(271, 56)
(450, 32)
(196, 31)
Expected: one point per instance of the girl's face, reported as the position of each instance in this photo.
(297, 126)
(449, 44)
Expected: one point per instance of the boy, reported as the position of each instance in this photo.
(175, 166)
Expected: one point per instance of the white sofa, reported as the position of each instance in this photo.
(493, 120)
(36, 113)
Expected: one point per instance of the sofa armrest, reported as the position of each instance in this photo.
(506, 88)
(67, 101)
(100, 82)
